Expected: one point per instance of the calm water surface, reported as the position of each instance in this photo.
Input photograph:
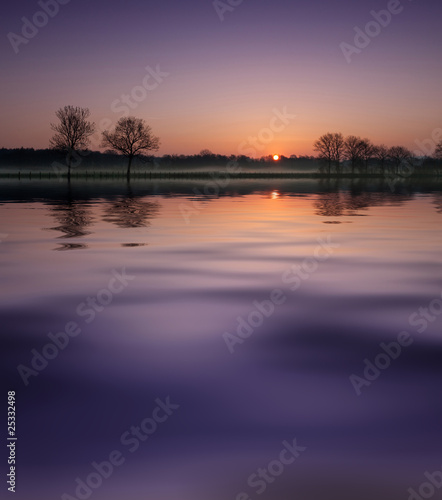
(198, 266)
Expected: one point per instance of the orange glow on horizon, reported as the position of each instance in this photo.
(276, 157)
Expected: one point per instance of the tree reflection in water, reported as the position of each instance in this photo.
(333, 202)
(438, 202)
(131, 212)
(73, 217)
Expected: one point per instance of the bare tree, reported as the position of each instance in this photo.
(438, 151)
(367, 151)
(206, 152)
(132, 137)
(338, 149)
(330, 147)
(353, 150)
(73, 132)
(323, 146)
(381, 155)
(399, 155)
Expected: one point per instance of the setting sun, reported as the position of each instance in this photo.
(276, 157)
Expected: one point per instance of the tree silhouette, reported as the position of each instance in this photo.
(132, 137)
(206, 152)
(330, 147)
(381, 155)
(73, 132)
(399, 154)
(367, 151)
(438, 151)
(353, 150)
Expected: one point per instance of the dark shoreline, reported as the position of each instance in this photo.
(215, 174)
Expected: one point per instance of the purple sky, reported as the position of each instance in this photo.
(226, 78)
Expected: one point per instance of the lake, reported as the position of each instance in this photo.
(278, 339)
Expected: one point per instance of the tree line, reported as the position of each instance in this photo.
(132, 137)
(26, 157)
(334, 149)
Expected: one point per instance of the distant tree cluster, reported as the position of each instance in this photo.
(33, 159)
(41, 159)
(338, 152)
(207, 158)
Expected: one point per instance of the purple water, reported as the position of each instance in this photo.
(366, 261)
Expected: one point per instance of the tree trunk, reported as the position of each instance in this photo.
(69, 167)
(128, 167)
